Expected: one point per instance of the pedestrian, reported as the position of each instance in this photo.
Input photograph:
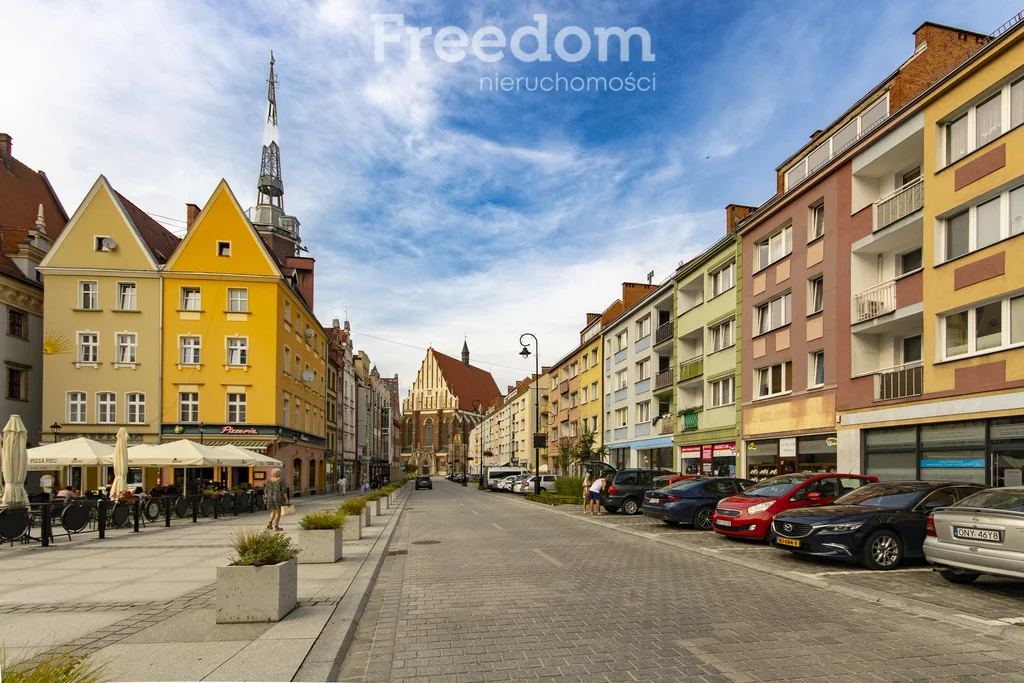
(344, 484)
(595, 495)
(588, 479)
(67, 492)
(275, 495)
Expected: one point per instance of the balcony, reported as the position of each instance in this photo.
(663, 333)
(902, 381)
(874, 301)
(689, 369)
(667, 424)
(691, 421)
(663, 379)
(899, 203)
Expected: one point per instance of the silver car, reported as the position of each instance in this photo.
(982, 534)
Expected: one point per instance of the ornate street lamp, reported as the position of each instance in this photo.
(525, 353)
(55, 428)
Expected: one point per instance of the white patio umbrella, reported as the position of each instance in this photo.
(179, 453)
(15, 462)
(120, 464)
(80, 452)
(250, 458)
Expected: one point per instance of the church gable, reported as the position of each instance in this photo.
(430, 391)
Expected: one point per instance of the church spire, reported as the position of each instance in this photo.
(271, 185)
(465, 353)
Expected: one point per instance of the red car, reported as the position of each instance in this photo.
(750, 514)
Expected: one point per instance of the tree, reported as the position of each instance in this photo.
(585, 450)
(566, 453)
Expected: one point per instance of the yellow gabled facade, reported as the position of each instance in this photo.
(244, 358)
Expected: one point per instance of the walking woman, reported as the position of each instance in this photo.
(275, 495)
(587, 481)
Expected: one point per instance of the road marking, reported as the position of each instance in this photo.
(497, 527)
(475, 512)
(547, 557)
(461, 503)
(867, 572)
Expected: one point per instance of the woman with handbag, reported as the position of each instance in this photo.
(276, 496)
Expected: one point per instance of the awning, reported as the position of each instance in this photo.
(73, 452)
(257, 446)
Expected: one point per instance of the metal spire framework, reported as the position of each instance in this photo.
(271, 185)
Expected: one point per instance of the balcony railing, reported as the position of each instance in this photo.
(663, 379)
(874, 301)
(667, 424)
(899, 203)
(691, 421)
(663, 333)
(901, 381)
(689, 369)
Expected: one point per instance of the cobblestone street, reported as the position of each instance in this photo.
(486, 587)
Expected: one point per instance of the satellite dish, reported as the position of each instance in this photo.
(307, 376)
(108, 243)
(309, 333)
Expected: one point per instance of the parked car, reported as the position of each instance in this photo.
(981, 534)
(669, 479)
(424, 482)
(496, 474)
(627, 488)
(505, 484)
(691, 501)
(511, 482)
(547, 483)
(878, 525)
(750, 514)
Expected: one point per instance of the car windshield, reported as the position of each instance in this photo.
(886, 495)
(995, 499)
(776, 487)
(684, 485)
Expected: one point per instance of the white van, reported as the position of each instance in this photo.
(496, 474)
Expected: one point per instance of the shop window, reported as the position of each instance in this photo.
(954, 451)
(296, 475)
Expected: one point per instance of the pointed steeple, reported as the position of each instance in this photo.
(465, 353)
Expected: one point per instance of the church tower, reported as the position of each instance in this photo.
(278, 230)
(465, 353)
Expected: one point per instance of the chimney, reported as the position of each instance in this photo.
(816, 133)
(734, 214)
(193, 213)
(591, 317)
(5, 150)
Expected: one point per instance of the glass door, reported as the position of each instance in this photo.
(1007, 468)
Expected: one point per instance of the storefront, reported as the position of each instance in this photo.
(655, 458)
(989, 452)
(769, 457)
(710, 460)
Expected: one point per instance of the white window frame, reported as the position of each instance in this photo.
(819, 281)
(593, 358)
(286, 407)
(814, 358)
(239, 304)
(77, 404)
(722, 336)
(643, 370)
(237, 408)
(189, 303)
(193, 406)
(135, 408)
(722, 279)
(1005, 93)
(621, 418)
(197, 347)
(595, 392)
(584, 394)
(1005, 225)
(784, 237)
(621, 380)
(237, 351)
(621, 341)
(584, 360)
(723, 392)
(88, 295)
(643, 327)
(768, 369)
(127, 342)
(1006, 321)
(813, 211)
(765, 309)
(574, 399)
(123, 289)
(643, 412)
(92, 358)
(106, 407)
(574, 370)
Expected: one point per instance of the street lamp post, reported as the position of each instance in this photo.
(525, 353)
(477, 405)
(55, 428)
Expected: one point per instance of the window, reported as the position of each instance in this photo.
(554, 383)
(774, 379)
(573, 429)
(88, 347)
(958, 235)
(584, 360)
(238, 300)
(126, 345)
(817, 367)
(723, 335)
(910, 261)
(723, 279)
(984, 327)
(584, 396)
(236, 407)
(594, 391)
(984, 122)
(774, 314)
(956, 334)
(956, 139)
(223, 248)
(88, 296)
(136, 408)
(988, 228)
(593, 352)
(188, 406)
(287, 361)
(910, 176)
(238, 351)
(1017, 211)
(1017, 320)
(76, 407)
(621, 417)
(126, 299)
(816, 227)
(621, 380)
(298, 366)
(643, 370)
(574, 370)
(989, 120)
(190, 350)
(17, 323)
(621, 339)
(723, 392)
(643, 327)
(980, 226)
(1017, 104)
(815, 295)
(910, 349)
(17, 384)
(574, 399)
(643, 412)
(989, 326)
(191, 299)
(775, 247)
(287, 311)
(106, 407)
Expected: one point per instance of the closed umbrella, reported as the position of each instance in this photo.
(15, 462)
(120, 464)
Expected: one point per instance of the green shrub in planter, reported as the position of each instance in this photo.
(260, 548)
(353, 506)
(55, 666)
(569, 486)
(549, 499)
(322, 520)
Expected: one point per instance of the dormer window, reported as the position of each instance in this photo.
(223, 248)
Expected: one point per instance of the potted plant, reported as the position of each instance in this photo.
(261, 582)
(320, 535)
(353, 510)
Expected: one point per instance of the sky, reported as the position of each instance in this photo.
(440, 209)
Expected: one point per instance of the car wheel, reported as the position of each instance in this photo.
(702, 519)
(883, 550)
(959, 577)
(630, 507)
(670, 522)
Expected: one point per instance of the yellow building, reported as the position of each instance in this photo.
(244, 359)
(102, 326)
(590, 390)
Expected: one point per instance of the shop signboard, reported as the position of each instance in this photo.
(1013, 477)
(763, 448)
(725, 450)
(1007, 431)
(689, 451)
(957, 463)
(787, 447)
(706, 454)
(706, 467)
(893, 437)
(815, 444)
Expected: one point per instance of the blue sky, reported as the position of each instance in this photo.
(437, 211)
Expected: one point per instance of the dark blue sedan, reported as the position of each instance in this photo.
(692, 501)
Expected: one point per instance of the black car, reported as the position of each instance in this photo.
(627, 488)
(424, 482)
(691, 501)
(878, 525)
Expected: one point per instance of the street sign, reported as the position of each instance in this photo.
(540, 440)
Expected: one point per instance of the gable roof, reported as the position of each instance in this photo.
(11, 238)
(22, 190)
(468, 383)
(161, 241)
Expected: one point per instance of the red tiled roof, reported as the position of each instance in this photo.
(22, 190)
(11, 238)
(468, 383)
(160, 240)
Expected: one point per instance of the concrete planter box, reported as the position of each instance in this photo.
(353, 528)
(256, 594)
(320, 546)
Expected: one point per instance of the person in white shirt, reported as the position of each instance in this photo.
(344, 484)
(595, 495)
(587, 480)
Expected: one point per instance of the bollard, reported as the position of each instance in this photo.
(367, 509)
(46, 523)
(234, 503)
(167, 512)
(195, 509)
(378, 507)
(216, 507)
(102, 513)
(135, 514)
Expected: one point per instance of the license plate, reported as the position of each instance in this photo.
(990, 535)
(654, 501)
(788, 541)
(724, 522)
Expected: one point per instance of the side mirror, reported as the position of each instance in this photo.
(814, 496)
